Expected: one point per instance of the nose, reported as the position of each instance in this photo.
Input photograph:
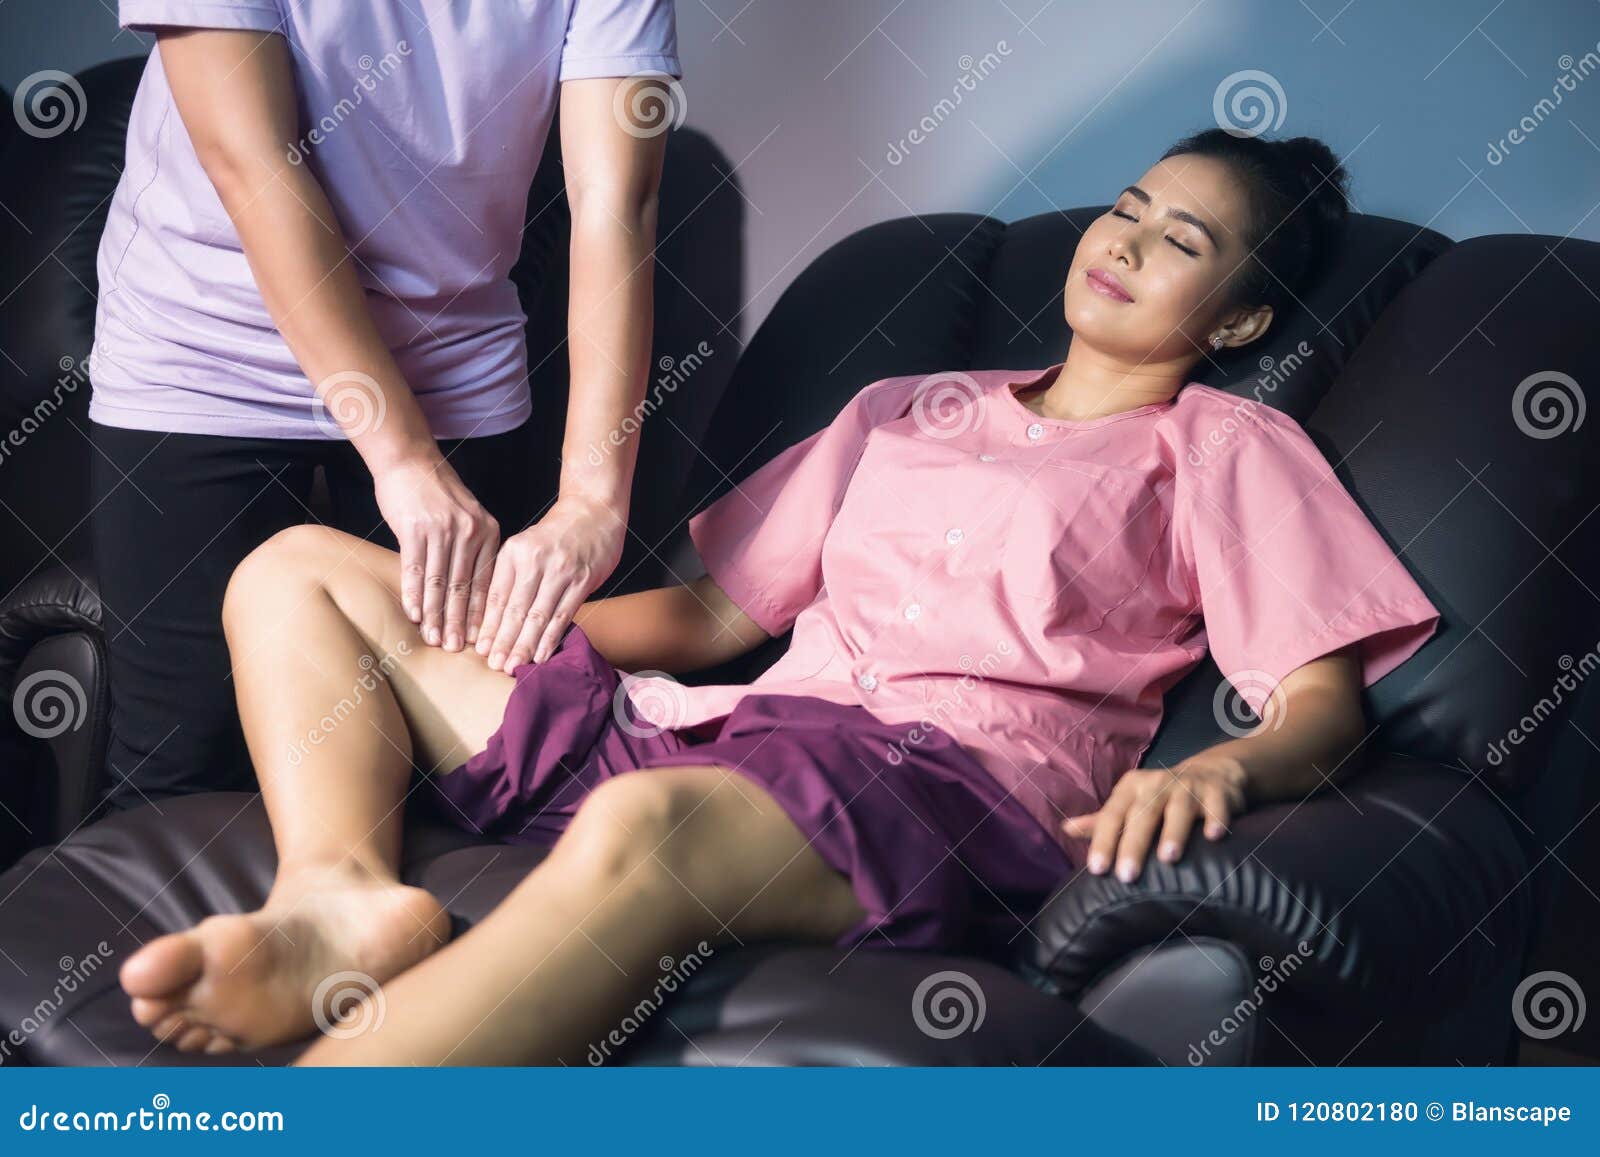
(1123, 249)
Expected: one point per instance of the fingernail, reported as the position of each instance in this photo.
(1169, 851)
(497, 659)
(1126, 870)
(1097, 862)
(482, 645)
(1215, 831)
(452, 640)
(432, 635)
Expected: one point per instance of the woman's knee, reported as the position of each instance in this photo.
(629, 827)
(710, 848)
(305, 553)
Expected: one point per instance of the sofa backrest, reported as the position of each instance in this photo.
(1460, 426)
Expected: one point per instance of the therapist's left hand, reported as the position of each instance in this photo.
(541, 577)
(1147, 801)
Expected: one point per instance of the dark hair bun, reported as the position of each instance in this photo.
(1324, 181)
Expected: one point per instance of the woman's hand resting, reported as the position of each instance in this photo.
(542, 577)
(1148, 801)
(447, 546)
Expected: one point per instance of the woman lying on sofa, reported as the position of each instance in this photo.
(991, 578)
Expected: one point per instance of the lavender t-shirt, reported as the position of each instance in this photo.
(424, 121)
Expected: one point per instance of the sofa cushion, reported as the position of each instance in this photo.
(69, 917)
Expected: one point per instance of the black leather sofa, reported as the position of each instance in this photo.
(1389, 920)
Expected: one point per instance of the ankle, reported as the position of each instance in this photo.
(298, 875)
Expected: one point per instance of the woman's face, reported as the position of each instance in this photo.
(1173, 241)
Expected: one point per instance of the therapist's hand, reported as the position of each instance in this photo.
(447, 546)
(542, 577)
(1146, 802)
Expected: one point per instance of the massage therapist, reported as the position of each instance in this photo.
(306, 263)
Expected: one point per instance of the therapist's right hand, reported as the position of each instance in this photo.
(448, 543)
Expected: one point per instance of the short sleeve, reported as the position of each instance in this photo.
(762, 541)
(249, 15)
(1287, 567)
(620, 38)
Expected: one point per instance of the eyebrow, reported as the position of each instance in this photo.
(1179, 214)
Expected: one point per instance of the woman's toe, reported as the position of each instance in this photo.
(149, 1012)
(163, 968)
(170, 1027)
(195, 1039)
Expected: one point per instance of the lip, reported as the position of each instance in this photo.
(1107, 285)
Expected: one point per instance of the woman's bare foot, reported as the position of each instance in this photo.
(325, 938)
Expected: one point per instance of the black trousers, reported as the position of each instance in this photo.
(173, 515)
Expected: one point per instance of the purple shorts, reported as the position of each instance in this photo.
(938, 855)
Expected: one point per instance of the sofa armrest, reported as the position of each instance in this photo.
(53, 674)
(1400, 891)
(53, 602)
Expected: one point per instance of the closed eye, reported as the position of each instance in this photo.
(1169, 240)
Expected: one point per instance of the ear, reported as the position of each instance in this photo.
(1246, 325)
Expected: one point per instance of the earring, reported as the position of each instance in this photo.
(1216, 342)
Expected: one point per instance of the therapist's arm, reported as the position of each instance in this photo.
(613, 175)
(235, 93)
(1312, 725)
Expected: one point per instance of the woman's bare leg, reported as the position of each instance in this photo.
(655, 862)
(337, 694)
